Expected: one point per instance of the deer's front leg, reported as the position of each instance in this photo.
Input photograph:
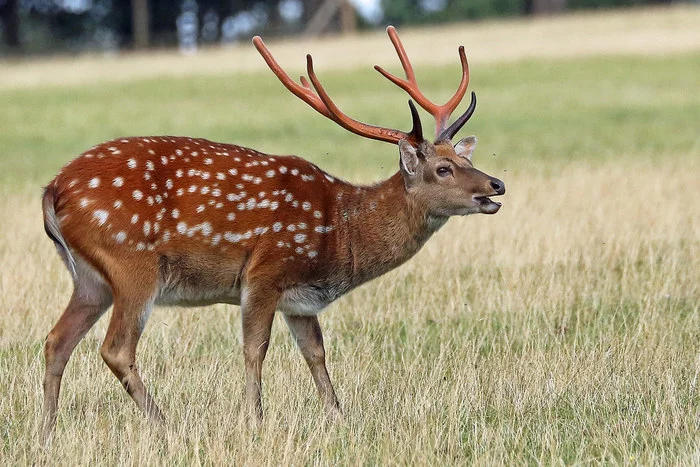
(307, 333)
(258, 306)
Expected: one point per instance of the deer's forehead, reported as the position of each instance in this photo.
(445, 150)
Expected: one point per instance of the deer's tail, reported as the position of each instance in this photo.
(53, 229)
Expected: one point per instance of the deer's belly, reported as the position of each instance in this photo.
(189, 297)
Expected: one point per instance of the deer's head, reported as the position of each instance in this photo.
(440, 174)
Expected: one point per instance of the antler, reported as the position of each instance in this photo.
(322, 103)
(441, 113)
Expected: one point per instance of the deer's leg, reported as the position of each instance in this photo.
(307, 333)
(91, 298)
(257, 313)
(131, 310)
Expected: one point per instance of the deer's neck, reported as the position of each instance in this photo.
(384, 227)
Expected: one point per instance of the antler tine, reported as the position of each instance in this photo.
(452, 130)
(323, 104)
(303, 92)
(441, 113)
(369, 131)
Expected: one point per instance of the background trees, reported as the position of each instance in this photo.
(44, 26)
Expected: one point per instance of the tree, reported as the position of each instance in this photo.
(9, 16)
(140, 23)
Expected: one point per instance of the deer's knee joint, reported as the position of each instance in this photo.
(315, 356)
(53, 355)
(115, 359)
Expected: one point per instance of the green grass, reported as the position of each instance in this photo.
(563, 330)
(530, 112)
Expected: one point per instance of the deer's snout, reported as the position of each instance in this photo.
(498, 186)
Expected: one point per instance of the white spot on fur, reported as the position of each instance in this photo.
(120, 237)
(277, 226)
(94, 182)
(118, 181)
(137, 194)
(101, 215)
(300, 238)
(134, 218)
(131, 163)
(118, 204)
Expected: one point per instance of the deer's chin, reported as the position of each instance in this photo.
(486, 206)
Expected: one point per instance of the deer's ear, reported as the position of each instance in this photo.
(409, 158)
(466, 147)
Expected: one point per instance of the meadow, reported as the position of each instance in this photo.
(565, 329)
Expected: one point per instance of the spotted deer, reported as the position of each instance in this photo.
(180, 221)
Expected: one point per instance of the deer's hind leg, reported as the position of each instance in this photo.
(91, 298)
(134, 295)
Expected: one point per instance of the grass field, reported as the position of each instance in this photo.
(564, 329)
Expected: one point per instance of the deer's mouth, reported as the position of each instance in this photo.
(486, 205)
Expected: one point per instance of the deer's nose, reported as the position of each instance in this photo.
(498, 186)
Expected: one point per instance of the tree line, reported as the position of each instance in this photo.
(43, 26)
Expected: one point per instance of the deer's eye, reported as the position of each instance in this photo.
(444, 171)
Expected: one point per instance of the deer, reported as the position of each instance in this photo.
(177, 221)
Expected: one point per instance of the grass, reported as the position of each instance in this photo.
(564, 329)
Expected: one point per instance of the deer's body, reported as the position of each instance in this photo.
(180, 221)
(198, 214)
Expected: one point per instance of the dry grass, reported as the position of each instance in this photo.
(638, 32)
(564, 329)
